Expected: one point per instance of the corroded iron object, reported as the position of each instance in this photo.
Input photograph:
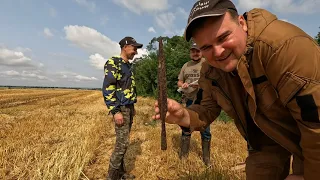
(162, 93)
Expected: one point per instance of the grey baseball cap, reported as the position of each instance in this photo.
(194, 46)
(207, 8)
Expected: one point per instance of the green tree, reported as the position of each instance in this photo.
(176, 51)
(317, 38)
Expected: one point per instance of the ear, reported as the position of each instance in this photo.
(243, 23)
(125, 47)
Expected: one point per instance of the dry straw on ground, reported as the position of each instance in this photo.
(67, 134)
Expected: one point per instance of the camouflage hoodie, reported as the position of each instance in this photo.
(119, 88)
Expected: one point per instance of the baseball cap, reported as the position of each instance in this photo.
(207, 8)
(194, 46)
(129, 41)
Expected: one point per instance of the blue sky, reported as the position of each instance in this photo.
(66, 42)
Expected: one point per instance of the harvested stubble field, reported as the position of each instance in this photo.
(67, 134)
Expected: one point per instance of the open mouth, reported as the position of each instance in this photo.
(222, 59)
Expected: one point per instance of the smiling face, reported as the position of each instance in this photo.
(222, 41)
(195, 54)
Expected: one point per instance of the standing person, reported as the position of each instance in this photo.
(119, 92)
(190, 73)
(264, 73)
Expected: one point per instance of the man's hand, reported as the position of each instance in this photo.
(185, 85)
(118, 118)
(194, 85)
(176, 113)
(294, 177)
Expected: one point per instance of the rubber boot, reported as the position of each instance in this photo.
(185, 145)
(206, 143)
(113, 174)
(123, 172)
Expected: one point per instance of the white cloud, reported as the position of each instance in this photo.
(182, 12)
(84, 78)
(284, 6)
(91, 40)
(47, 32)
(165, 21)
(139, 6)
(14, 58)
(25, 75)
(61, 55)
(141, 53)
(151, 29)
(52, 12)
(22, 49)
(97, 61)
(10, 73)
(74, 77)
(91, 6)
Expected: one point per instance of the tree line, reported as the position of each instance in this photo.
(176, 51)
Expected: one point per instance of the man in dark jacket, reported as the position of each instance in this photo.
(265, 74)
(119, 92)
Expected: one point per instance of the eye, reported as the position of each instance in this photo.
(223, 38)
(206, 48)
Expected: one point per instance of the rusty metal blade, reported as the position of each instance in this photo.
(162, 93)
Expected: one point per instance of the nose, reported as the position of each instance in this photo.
(218, 51)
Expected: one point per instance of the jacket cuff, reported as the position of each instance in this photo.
(195, 123)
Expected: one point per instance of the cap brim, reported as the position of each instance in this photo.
(138, 45)
(195, 48)
(187, 34)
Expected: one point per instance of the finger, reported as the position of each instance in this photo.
(156, 117)
(156, 104)
(170, 105)
(157, 110)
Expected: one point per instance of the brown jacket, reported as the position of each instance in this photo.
(278, 82)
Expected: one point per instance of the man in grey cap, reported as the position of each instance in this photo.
(119, 92)
(264, 73)
(187, 81)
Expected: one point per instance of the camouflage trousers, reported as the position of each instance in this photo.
(122, 136)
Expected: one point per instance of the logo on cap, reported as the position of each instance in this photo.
(199, 6)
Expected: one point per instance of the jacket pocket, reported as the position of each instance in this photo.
(289, 86)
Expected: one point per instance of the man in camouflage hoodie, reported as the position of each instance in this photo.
(119, 92)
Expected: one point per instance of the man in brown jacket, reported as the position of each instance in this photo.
(265, 74)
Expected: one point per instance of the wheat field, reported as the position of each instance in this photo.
(68, 134)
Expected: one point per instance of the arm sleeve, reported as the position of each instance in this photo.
(110, 86)
(205, 109)
(298, 86)
(181, 74)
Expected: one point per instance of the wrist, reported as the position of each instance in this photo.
(185, 120)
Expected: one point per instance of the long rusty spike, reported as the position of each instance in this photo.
(162, 93)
